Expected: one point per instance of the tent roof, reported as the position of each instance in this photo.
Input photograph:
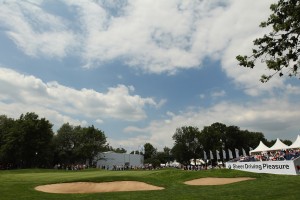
(261, 147)
(296, 144)
(278, 145)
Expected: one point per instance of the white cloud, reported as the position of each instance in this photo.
(156, 37)
(99, 121)
(275, 117)
(34, 31)
(218, 93)
(28, 93)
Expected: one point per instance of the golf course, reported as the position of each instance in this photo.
(170, 184)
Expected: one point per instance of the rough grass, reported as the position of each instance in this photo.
(19, 184)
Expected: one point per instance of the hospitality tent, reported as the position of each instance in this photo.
(278, 145)
(198, 162)
(296, 144)
(261, 147)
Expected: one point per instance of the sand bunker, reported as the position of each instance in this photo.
(216, 181)
(88, 187)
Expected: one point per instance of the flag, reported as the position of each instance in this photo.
(211, 155)
(218, 155)
(230, 154)
(250, 149)
(244, 152)
(237, 154)
(224, 154)
(205, 156)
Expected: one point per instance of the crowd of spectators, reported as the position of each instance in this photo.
(280, 155)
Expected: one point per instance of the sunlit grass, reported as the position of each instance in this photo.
(19, 184)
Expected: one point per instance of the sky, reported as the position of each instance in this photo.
(138, 70)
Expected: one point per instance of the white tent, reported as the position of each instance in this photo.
(261, 147)
(198, 162)
(296, 144)
(278, 145)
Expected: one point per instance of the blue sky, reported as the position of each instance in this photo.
(140, 69)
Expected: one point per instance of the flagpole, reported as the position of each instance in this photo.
(222, 146)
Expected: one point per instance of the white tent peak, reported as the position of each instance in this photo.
(296, 144)
(278, 145)
(261, 147)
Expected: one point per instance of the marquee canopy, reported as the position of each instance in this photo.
(296, 144)
(278, 145)
(261, 147)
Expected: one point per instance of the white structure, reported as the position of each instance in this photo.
(296, 144)
(261, 147)
(290, 167)
(278, 146)
(112, 160)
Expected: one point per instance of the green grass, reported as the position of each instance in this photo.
(19, 185)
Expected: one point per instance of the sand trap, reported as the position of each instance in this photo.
(89, 187)
(216, 181)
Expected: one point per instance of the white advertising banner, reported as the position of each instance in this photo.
(271, 167)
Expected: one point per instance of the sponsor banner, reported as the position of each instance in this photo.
(271, 167)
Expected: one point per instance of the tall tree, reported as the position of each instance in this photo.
(280, 48)
(35, 138)
(213, 137)
(186, 146)
(8, 142)
(77, 144)
(150, 151)
(64, 142)
(92, 142)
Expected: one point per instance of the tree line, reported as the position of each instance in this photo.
(29, 141)
(190, 143)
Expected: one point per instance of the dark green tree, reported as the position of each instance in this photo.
(119, 150)
(64, 142)
(134, 152)
(150, 151)
(75, 144)
(280, 48)
(218, 136)
(212, 136)
(186, 144)
(90, 142)
(35, 140)
(8, 142)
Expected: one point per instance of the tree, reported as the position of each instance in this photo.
(77, 144)
(150, 151)
(92, 142)
(8, 142)
(119, 150)
(280, 48)
(213, 137)
(35, 140)
(219, 137)
(135, 152)
(186, 145)
(64, 142)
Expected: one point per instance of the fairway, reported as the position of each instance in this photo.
(20, 184)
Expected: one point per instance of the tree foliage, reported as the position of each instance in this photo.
(150, 151)
(280, 48)
(26, 142)
(190, 142)
(186, 144)
(30, 142)
(76, 144)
